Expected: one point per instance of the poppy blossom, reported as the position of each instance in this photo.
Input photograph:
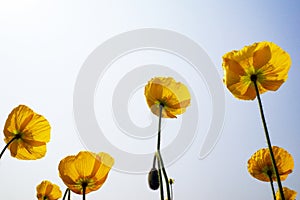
(260, 164)
(263, 62)
(48, 191)
(27, 132)
(85, 171)
(173, 96)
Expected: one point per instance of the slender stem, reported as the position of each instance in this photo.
(161, 186)
(159, 126)
(16, 137)
(171, 186)
(271, 182)
(254, 79)
(154, 161)
(165, 175)
(69, 194)
(83, 190)
(65, 194)
(160, 161)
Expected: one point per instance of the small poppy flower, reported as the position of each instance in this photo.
(85, 171)
(173, 96)
(48, 191)
(260, 164)
(288, 194)
(27, 133)
(263, 62)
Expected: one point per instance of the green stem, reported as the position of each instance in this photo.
(159, 157)
(65, 194)
(154, 161)
(161, 106)
(171, 186)
(254, 79)
(83, 190)
(271, 182)
(161, 186)
(69, 194)
(165, 175)
(16, 137)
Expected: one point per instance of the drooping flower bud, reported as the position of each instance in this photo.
(153, 179)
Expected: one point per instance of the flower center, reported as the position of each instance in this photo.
(161, 104)
(269, 173)
(18, 135)
(84, 184)
(253, 77)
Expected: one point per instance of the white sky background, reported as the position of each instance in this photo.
(44, 43)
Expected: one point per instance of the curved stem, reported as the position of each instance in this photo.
(171, 186)
(161, 186)
(69, 194)
(16, 137)
(271, 182)
(161, 167)
(268, 138)
(65, 194)
(165, 174)
(154, 161)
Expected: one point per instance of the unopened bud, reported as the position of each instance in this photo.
(153, 179)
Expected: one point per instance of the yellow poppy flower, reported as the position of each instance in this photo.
(260, 164)
(173, 96)
(288, 194)
(265, 62)
(48, 191)
(86, 169)
(30, 132)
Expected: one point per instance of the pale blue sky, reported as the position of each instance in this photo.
(43, 45)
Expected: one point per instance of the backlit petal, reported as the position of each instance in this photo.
(260, 163)
(32, 130)
(265, 60)
(289, 194)
(174, 96)
(86, 167)
(47, 190)
(262, 55)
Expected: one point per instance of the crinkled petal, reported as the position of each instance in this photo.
(84, 163)
(67, 170)
(174, 96)
(85, 167)
(265, 60)
(24, 151)
(262, 55)
(106, 163)
(260, 163)
(33, 132)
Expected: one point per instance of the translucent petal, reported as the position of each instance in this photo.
(261, 56)
(173, 95)
(260, 163)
